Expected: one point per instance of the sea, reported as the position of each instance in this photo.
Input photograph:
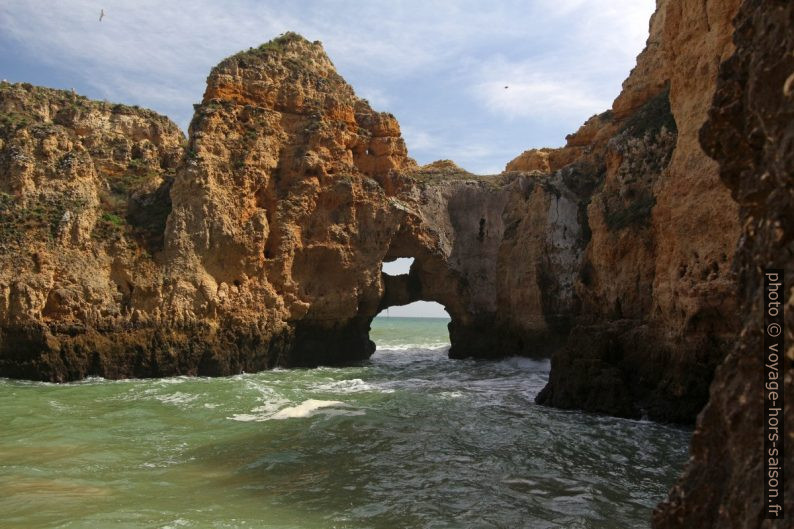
(407, 439)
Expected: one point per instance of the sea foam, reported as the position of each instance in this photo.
(307, 408)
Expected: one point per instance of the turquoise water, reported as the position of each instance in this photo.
(410, 439)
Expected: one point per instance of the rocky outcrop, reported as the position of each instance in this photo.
(291, 192)
(501, 253)
(127, 250)
(276, 225)
(83, 204)
(657, 290)
(279, 223)
(259, 242)
(749, 134)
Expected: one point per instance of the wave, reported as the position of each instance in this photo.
(305, 409)
(351, 385)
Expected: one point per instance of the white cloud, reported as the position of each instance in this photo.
(417, 309)
(557, 8)
(519, 96)
(579, 75)
(417, 139)
(473, 151)
(378, 99)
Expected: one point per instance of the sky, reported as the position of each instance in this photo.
(441, 67)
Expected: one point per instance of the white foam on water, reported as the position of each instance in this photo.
(523, 363)
(58, 406)
(307, 408)
(410, 357)
(179, 522)
(260, 413)
(176, 398)
(353, 385)
(450, 394)
(247, 417)
(270, 407)
(172, 380)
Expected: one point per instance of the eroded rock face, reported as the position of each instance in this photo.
(292, 192)
(83, 203)
(279, 221)
(657, 290)
(126, 250)
(749, 134)
(289, 195)
(501, 253)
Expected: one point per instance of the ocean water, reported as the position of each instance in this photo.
(409, 439)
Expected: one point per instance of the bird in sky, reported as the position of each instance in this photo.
(506, 87)
(101, 14)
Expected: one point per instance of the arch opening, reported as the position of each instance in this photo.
(397, 267)
(420, 325)
(409, 316)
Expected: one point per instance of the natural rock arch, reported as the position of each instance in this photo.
(290, 194)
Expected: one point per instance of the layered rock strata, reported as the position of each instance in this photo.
(127, 250)
(291, 192)
(84, 197)
(259, 241)
(749, 132)
(656, 283)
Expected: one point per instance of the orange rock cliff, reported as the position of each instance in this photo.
(129, 250)
(259, 241)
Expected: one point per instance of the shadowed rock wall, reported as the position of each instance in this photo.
(749, 132)
(657, 289)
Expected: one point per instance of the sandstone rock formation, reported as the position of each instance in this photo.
(291, 192)
(656, 282)
(127, 250)
(749, 133)
(273, 219)
(501, 253)
(279, 225)
(260, 243)
(614, 251)
(83, 204)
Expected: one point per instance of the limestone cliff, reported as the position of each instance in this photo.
(656, 283)
(127, 250)
(83, 203)
(281, 215)
(291, 192)
(501, 253)
(260, 242)
(275, 234)
(749, 133)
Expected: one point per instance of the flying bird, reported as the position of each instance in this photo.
(506, 87)
(101, 14)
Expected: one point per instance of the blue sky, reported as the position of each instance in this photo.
(439, 66)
